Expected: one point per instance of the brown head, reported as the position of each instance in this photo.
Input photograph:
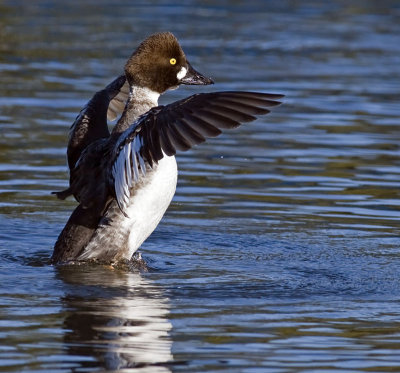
(160, 64)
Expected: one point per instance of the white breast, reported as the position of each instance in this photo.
(117, 236)
(150, 202)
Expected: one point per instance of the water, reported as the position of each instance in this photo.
(280, 251)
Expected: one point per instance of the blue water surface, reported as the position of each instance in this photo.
(280, 250)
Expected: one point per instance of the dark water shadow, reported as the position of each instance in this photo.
(114, 319)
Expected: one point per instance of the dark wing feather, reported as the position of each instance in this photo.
(216, 120)
(231, 113)
(202, 127)
(186, 129)
(88, 179)
(179, 126)
(165, 139)
(178, 140)
(243, 108)
(152, 137)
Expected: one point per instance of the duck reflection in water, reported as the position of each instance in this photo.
(116, 319)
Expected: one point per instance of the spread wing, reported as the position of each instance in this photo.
(91, 123)
(179, 126)
(89, 127)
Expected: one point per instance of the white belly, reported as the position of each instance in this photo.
(117, 236)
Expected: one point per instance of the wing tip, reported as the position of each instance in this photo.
(63, 194)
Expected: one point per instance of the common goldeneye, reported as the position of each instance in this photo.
(125, 180)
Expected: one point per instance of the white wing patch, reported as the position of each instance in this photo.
(117, 104)
(126, 170)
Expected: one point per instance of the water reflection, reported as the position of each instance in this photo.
(115, 319)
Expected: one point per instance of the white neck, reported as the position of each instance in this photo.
(140, 101)
(139, 94)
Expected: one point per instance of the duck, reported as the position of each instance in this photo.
(125, 179)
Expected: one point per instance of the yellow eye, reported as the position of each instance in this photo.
(172, 61)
